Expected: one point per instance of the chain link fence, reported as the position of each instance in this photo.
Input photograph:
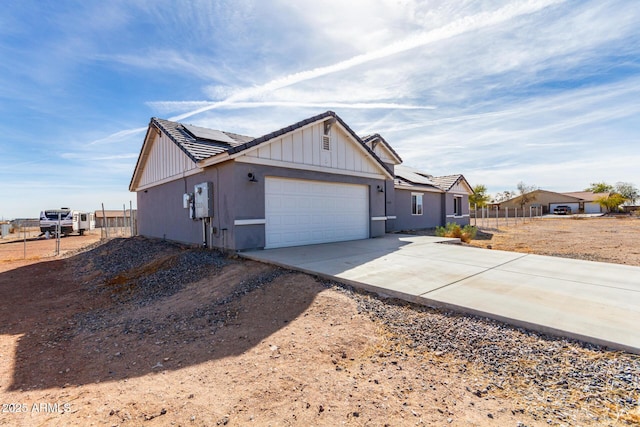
(493, 217)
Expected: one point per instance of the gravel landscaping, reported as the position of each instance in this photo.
(138, 331)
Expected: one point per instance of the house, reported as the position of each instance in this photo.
(578, 201)
(315, 181)
(114, 218)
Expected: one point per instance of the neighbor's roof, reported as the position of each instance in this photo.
(112, 213)
(579, 196)
(586, 196)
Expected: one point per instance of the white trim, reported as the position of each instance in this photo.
(458, 216)
(169, 179)
(456, 198)
(249, 221)
(421, 204)
(391, 217)
(279, 163)
(379, 218)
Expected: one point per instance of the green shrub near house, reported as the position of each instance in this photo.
(466, 233)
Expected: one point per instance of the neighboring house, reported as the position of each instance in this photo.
(578, 201)
(315, 181)
(114, 218)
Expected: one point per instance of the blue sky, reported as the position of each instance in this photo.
(545, 92)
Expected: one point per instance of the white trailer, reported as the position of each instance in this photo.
(68, 220)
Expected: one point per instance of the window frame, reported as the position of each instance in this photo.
(417, 207)
(457, 205)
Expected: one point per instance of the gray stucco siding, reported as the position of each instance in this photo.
(161, 214)
(251, 204)
(448, 211)
(235, 197)
(390, 208)
(431, 210)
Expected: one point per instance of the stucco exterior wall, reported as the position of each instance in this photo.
(161, 212)
(431, 213)
(250, 204)
(448, 209)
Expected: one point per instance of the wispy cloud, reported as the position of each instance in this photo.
(540, 91)
(190, 105)
(453, 29)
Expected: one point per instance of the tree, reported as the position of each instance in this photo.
(504, 196)
(479, 197)
(599, 187)
(525, 193)
(628, 191)
(611, 202)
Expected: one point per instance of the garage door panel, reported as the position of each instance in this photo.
(300, 212)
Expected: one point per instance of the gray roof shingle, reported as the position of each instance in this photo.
(194, 147)
(199, 148)
(446, 182)
(417, 177)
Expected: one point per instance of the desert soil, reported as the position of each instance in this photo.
(144, 332)
(606, 239)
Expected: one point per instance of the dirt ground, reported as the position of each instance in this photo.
(82, 342)
(605, 239)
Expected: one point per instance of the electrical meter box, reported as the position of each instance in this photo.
(203, 199)
(187, 198)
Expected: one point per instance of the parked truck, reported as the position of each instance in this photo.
(68, 220)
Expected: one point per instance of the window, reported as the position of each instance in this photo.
(457, 205)
(416, 203)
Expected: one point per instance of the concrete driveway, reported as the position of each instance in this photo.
(591, 301)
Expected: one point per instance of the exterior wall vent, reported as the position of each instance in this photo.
(326, 142)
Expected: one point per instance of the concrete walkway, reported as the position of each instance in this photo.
(591, 301)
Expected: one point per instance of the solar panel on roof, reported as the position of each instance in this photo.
(412, 175)
(208, 134)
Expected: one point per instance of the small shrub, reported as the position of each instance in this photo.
(466, 234)
(469, 233)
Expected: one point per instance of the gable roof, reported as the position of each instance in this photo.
(302, 123)
(377, 137)
(448, 181)
(416, 177)
(577, 196)
(194, 144)
(586, 196)
(201, 144)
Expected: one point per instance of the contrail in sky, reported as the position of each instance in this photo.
(460, 26)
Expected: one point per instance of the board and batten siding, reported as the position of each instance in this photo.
(165, 160)
(459, 188)
(304, 147)
(384, 155)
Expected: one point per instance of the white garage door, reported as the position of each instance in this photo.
(592, 208)
(302, 212)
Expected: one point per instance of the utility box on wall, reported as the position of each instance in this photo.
(203, 199)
